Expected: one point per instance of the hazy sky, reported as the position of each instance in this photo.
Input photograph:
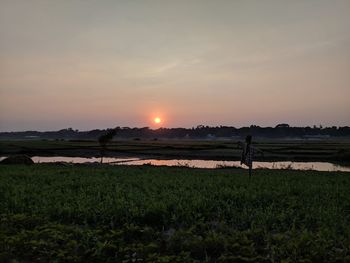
(96, 64)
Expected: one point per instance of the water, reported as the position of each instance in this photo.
(317, 166)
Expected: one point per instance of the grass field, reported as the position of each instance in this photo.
(274, 150)
(51, 213)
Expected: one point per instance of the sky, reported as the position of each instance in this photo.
(97, 64)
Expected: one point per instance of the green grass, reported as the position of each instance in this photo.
(274, 150)
(51, 213)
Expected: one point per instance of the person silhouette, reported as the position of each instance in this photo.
(248, 153)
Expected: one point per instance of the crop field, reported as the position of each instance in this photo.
(274, 150)
(53, 213)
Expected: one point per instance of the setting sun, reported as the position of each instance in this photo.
(157, 120)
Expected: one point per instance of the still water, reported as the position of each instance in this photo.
(317, 166)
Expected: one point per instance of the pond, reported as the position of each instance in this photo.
(317, 166)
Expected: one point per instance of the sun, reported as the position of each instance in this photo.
(157, 120)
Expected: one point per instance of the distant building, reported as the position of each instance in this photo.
(316, 137)
(210, 137)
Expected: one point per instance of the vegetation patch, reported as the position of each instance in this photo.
(51, 213)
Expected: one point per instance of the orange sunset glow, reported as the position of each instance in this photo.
(157, 120)
(114, 63)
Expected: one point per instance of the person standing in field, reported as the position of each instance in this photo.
(248, 153)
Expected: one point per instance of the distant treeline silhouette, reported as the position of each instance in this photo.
(199, 132)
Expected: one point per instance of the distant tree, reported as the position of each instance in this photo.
(282, 125)
(104, 139)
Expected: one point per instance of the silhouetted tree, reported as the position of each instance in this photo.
(282, 125)
(104, 139)
(282, 130)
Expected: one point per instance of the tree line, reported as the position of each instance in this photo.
(199, 132)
